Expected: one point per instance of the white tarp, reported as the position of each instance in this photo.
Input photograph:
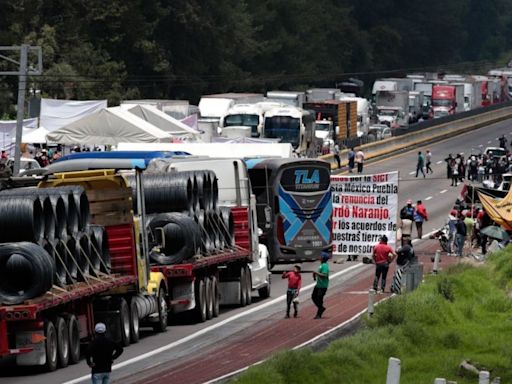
(364, 209)
(8, 131)
(33, 136)
(60, 113)
(109, 126)
(161, 120)
(219, 150)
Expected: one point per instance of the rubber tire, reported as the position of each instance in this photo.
(62, 341)
(134, 322)
(74, 339)
(248, 279)
(243, 288)
(163, 314)
(264, 292)
(200, 296)
(124, 316)
(209, 298)
(50, 345)
(216, 296)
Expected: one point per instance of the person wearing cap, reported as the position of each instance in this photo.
(322, 283)
(382, 259)
(292, 293)
(101, 354)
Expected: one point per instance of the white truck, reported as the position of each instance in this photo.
(322, 94)
(290, 98)
(426, 88)
(393, 108)
(415, 106)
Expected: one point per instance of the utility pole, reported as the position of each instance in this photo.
(22, 73)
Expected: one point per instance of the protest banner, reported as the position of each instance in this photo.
(364, 209)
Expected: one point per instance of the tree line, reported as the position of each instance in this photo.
(125, 49)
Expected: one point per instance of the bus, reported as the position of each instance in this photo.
(292, 125)
(294, 207)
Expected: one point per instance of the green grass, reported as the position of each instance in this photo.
(464, 313)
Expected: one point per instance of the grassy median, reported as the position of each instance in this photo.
(462, 314)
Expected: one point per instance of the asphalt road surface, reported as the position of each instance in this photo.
(184, 340)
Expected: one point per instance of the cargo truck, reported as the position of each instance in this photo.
(415, 106)
(321, 94)
(132, 291)
(290, 98)
(393, 108)
(447, 100)
(426, 88)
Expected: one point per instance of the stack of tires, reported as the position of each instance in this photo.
(184, 219)
(46, 239)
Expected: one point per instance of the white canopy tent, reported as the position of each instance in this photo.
(109, 126)
(32, 136)
(60, 113)
(162, 120)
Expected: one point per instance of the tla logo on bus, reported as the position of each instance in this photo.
(302, 176)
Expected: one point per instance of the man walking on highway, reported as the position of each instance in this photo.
(101, 354)
(359, 160)
(322, 283)
(420, 215)
(382, 260)
(420, 164)
(337, 155)
(449, 165)
(351, 159)
(292, 293)
(428, 158)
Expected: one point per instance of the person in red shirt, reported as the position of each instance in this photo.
(382, 260)
(294, 285)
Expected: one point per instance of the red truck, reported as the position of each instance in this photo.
(48, 329)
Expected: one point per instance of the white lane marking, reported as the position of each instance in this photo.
(412, 173)
(210, 328)
(481, 145)
(462, 153)
(439, 162)
(444, 191)
(489, 142)
(428, 198)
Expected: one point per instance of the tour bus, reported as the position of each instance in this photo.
(292, 125)
(294, 207)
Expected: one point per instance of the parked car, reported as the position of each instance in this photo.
(379, 131)
(26, 164)
(493, 152)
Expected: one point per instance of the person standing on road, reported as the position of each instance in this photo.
(460, 235)
(503, 142)
(359, 160)
(101, 354)
(428, 158)
(452, 230)
(322, 283)
(420, 215)
(407, 217)
(292, 293)
(470, 228)
(351, 159)
(420, 164)
(449, 166)
(382, 260)
(337, 155)
(405, 255)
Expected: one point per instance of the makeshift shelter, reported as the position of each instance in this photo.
(60, 113)
(33, 136)
(498, 209)
(109, 126)
(162, 121)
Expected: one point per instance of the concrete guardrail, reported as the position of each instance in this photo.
(425, 136)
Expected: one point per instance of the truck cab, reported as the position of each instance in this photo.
(443, 100)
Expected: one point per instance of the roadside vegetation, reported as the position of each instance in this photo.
(463, 314)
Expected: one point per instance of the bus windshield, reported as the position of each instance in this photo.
(244, 120)
(285, 128)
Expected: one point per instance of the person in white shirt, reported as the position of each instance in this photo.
(359, 161)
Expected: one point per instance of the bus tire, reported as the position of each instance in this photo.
(134, 322)
(161, 324)
(243, 287)
(124, 317)
(248, 284)
(209, 297)
(200, 297)
(74, 339)
(216, 296)
(50, 345)
(62, 341)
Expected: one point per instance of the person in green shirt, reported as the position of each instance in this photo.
(322, 283)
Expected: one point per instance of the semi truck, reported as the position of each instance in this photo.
(132, 291)
(290, 98)
(447, 100)
(335, 120)
(393, 108)
(426, 88)
(415, 106)
(321, 94)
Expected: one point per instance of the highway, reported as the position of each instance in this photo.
(184, 341)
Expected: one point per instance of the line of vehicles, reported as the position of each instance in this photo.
(281, 211)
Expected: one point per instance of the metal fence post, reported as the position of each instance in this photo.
(435, 269)
(439, 381)
(393, 376)
(484, 377)
(371, 300)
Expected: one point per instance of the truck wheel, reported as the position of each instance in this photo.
(161, 325)
(200, 309)
(264, 292)
(74, 339)
(50, 346)
(134, 322)
(62, 341)
(209, 297)
(248, 280)
(215, 296)
(124, 316)
(243, 288)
